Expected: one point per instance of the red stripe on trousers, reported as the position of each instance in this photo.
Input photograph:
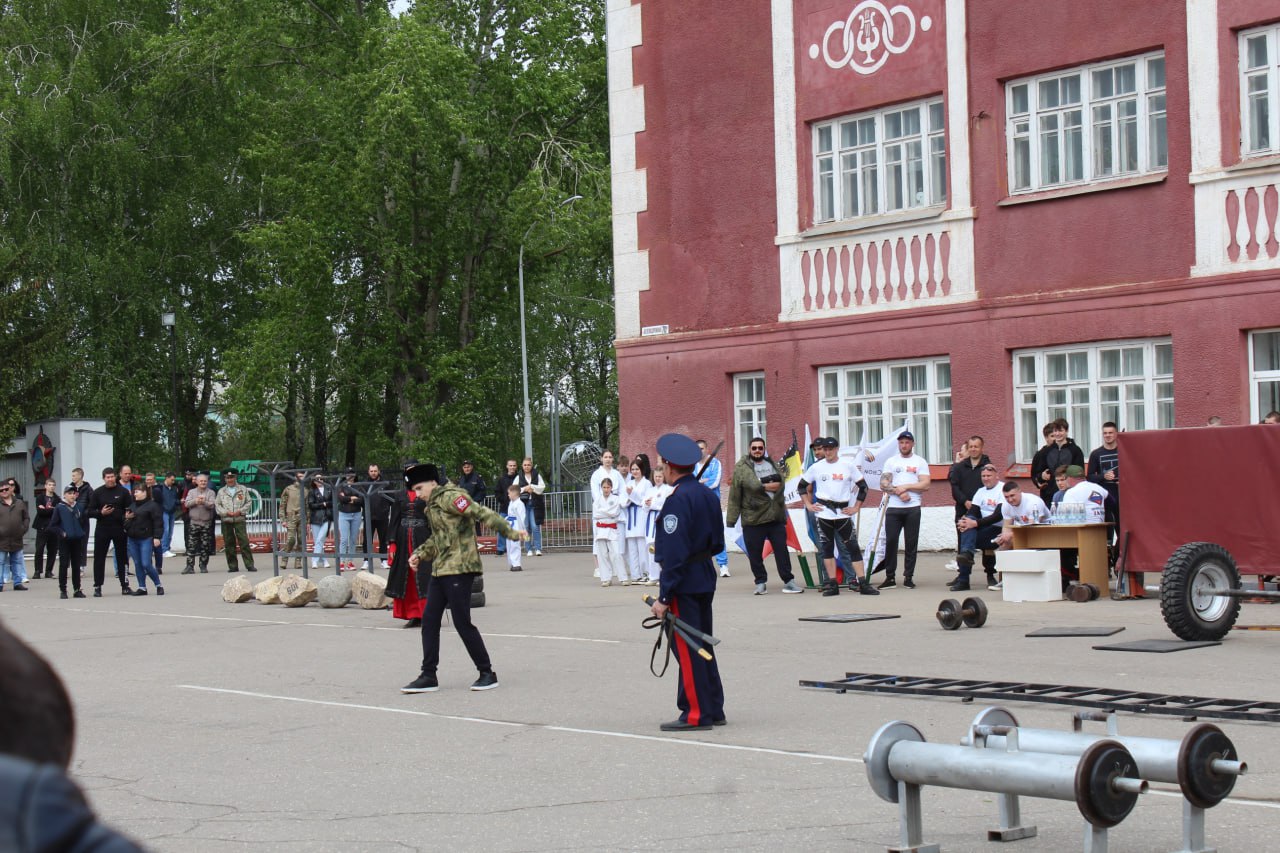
(686, 674)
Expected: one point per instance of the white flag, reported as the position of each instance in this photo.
(872, 459)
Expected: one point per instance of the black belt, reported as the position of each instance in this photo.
(833, 504)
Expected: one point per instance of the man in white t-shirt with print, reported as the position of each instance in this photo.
(1020, 509)
(909, 479)
(979, 527)
(1091, 495)
(833, 489)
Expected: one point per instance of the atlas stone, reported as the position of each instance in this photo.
(268, 592)
(297, 591)
(334, 591)
(369, 591)
(237, 590)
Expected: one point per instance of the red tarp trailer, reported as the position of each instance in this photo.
(1210, 484)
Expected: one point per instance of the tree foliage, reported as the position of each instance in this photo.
(331, 198)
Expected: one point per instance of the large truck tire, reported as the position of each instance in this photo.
(1192, 575)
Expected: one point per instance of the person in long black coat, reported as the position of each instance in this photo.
(408, 528)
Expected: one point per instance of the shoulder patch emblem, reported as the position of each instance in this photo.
(670, 523)
(461, 503)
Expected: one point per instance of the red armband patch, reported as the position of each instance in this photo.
(461, 503)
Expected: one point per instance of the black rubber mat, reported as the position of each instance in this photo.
(850, 617)
(1158, 646)
(1084, 631)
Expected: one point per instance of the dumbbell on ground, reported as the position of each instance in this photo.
(952, 614)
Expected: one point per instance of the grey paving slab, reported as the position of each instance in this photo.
(205, 726)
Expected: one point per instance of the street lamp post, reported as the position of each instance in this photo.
(169, 320)
(524, 350)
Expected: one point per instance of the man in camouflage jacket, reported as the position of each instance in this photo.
(291, 503)
(233, 509)
(452, 558)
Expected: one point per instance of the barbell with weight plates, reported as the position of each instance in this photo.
(952, 614)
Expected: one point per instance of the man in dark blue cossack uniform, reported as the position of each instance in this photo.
(690, 532)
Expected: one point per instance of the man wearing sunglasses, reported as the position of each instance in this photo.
(756, 496)
(14, 521)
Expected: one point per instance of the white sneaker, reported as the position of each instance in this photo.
(724, 571)
(761, 590)
(997, 586)
(606, 583)
(792, 587)
(952, 566)
(364, 565)
(170, 554)
(537, 553)
(651, 582)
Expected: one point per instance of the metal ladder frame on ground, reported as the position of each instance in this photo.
(1111, 699)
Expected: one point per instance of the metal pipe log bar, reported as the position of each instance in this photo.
(1204, 764)
(1200, 764)
(1101, 782)
(1239, 592)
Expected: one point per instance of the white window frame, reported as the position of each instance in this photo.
(1029, 127)
(748, 414)
(1087, 399)
(926, 406)
(1268, 75)
(1259, 377)
(830, 163)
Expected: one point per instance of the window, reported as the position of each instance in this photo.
(748, 405)
(1259, 89)
(866, 402)
(1091, 123)
(881, 162)
(1264, 373)
(1130, 383)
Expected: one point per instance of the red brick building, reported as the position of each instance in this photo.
(980, 216)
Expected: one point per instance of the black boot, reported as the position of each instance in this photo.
(830, 588)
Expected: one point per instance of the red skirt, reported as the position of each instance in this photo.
(411, 606)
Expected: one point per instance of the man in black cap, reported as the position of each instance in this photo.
(474, 484)
(233, 508)
(453, 560)
(688, 535)
(909, 479)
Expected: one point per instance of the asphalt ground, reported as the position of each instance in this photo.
(206, 726)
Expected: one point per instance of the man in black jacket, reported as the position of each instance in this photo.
(379, 500)
(107, 505)
(504, 482)
(474, 484)
(1104, 469)
(1060, 450)
(965, 476)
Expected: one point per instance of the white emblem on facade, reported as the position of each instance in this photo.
(869, 35)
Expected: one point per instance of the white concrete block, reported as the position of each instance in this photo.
(1030, 575)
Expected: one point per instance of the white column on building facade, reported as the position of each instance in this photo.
(786, 177)
(1205, 87)
(630, 187)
